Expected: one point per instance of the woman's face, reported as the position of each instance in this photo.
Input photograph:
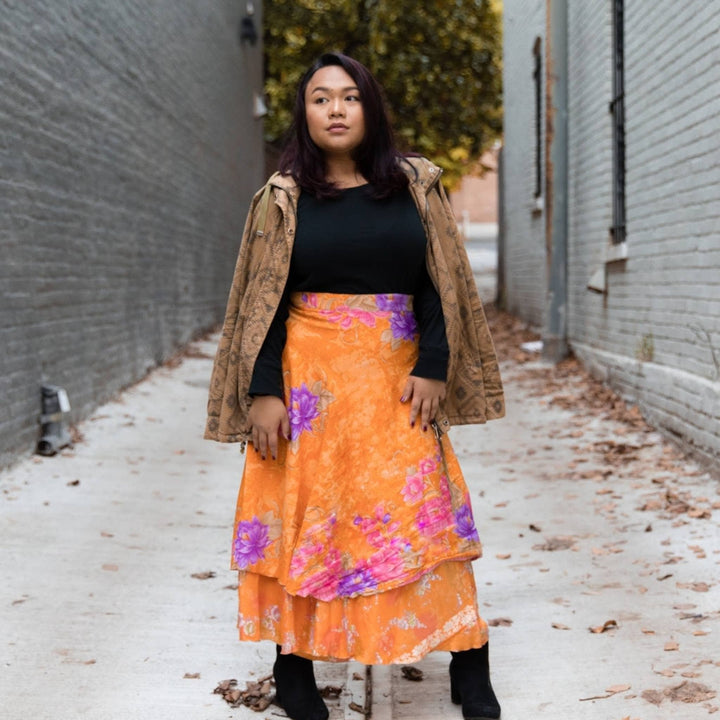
(334, 111)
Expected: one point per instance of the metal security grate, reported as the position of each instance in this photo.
(617, 108)
(537, 77)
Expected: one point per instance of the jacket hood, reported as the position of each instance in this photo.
(420, 171)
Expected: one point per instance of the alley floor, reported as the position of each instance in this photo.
(599, 581)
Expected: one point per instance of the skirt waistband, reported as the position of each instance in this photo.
(382, 304)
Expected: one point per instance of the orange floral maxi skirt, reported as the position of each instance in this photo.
(356, 542)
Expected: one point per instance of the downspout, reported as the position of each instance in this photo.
(500, 291)
(555, 346)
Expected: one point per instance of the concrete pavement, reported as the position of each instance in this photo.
(589, 520)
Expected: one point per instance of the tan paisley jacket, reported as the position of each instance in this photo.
(474, 389)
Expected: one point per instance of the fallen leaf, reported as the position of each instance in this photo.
(617, 688)
(191, 676)
(203, 575)
(73, 483)
(609, 625)
(411, 673)
(534, 528)
(653, 696)
(559, 542)
(690, 692)
(695, 587)
(560, 626)
(647, 631)
(500, 622)
(503, 556)
(671, 645)
(330, 692)
(257, 695)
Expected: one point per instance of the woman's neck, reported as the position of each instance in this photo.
(343, 172)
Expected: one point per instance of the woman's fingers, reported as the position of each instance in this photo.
(426, 397)
(269, 417)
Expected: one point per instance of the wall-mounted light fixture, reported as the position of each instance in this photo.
(248, 33)
(55, 409)
(259, 106)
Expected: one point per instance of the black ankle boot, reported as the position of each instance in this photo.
(470, 684)
(296, 690)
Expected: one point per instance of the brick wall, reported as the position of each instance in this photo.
(524, 225)
(476, 198)
(129, 154)
(655, 335)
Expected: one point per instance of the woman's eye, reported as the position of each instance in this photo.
(355, 98)
(318, 101)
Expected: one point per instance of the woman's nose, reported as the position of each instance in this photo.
(336, 108)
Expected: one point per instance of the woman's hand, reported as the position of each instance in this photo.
(269, 418)
(426, 396)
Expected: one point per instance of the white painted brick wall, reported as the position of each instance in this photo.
(669, 288)
(129, 154)
(524, 231)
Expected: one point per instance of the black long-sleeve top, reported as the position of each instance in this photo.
(357, 244)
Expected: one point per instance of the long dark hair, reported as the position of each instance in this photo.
(376, 157)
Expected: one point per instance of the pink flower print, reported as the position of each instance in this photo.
(433, 517)
(302, 557)
(345, 315)
(465, 525)
(309, 300)
(445, 490)
(427, 466)
(323, 585)
(387, 563)
(302, 411)
(414, 487)
(251, 539)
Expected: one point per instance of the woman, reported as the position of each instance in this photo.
(353, 339)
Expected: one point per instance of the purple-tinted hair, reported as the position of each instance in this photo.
(377, 157)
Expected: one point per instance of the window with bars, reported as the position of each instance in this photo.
(537, 81)
(617, 109)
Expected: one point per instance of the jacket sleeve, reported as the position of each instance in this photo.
(466, 290)
(223, 391)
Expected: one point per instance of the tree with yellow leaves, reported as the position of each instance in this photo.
(438, 61)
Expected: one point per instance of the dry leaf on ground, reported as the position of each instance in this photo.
(608, 625)
(618, 688)
(257, 695)
(412, 673)
(686, 692)
(500, 622)
(203, 575)
(558, 542)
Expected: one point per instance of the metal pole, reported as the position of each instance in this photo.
(555, 346)
(500, 291)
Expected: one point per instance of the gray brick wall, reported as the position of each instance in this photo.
(666, 295)
(524, 226)
(129, 154)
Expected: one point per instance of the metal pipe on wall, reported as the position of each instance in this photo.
(555, 346)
